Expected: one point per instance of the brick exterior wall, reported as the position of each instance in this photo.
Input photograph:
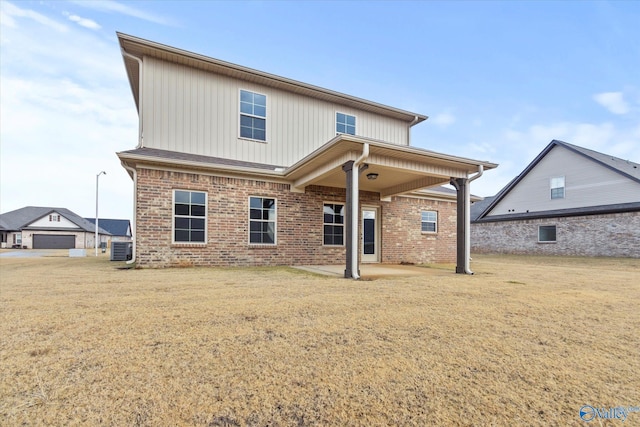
(402, 239)
(299, 224)
(614, 235)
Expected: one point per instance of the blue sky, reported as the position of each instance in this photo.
(499, 80)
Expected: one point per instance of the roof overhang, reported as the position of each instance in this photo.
(397, 169)
(141, 48)
(563, 213)
(151, 158)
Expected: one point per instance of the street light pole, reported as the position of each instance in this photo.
(95, 243)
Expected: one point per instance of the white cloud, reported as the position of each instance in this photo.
(83, 22)
(66, 109)
(482, 149)
(596, 136)
(612, 101)
(443, 119)
(71, 131)
(124, 9)
(11, 11)
(515, 148)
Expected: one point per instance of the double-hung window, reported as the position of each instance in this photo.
(429, 221)
(253, 115)
(345, 124)
(333, 223)
(262, 221)
(189, 216)
(557, 188)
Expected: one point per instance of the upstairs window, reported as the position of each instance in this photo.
(333, 224)
(189, 216)
(557, 188)
(253, 115)
(54, 218)
(262, 221)
(429, 221)
(345, 124)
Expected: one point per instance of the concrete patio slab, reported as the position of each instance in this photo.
(369, 271)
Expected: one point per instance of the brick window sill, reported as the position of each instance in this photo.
(188, 245)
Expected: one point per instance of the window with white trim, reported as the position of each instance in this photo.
(54, 218)
(429, 221)
(557, 187)
(262, 221)
(345, 123)
(333, 224)
(546, 233)
(253, 115)
(189, 216)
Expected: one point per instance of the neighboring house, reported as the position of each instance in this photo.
(568, 201)
(235, 166)
(35, 227)
(119, 229)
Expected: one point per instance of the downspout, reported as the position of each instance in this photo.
(355, 206)
(467, 219)
(135, 210)
(415, 120)
(140, 97)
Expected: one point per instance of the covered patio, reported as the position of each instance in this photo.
(357, 163)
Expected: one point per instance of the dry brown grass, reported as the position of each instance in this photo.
(526, 341)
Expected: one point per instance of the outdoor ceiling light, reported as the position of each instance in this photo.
(372, 176)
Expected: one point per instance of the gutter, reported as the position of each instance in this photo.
(467, 219)
(134, 174)
(413, 122)
(140, 97)
(355, 207)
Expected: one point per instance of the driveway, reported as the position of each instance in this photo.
(33, 253)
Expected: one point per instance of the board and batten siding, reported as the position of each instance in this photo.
(195, 111)
(587, 183)
(44, 222)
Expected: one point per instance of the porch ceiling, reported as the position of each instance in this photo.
(399, 169)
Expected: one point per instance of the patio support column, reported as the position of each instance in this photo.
(348, 169)
(463, 201)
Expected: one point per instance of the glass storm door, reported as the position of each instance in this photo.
(370, 235)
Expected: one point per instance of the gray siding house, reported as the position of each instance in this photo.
(568, 201)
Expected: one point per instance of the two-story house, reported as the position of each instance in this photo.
(236, 166)
(568, 201)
